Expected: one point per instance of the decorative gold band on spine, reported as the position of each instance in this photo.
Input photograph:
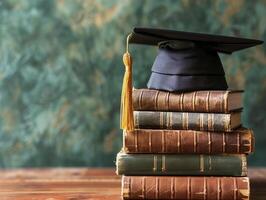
(235, 189)
(178, 140)
(150, 143)
(136, 141)
(156, 100)
(219, 188)
(194, 101)
(181, 101)
(188, 188)
(195, 141)
(140, 99)
(143, 189)
(207, 102)
(154, 163)
(157, 188)
(167, 100)
(225, 102)
(209, 142)
(223, 143)
(163, 164)
(201, 163)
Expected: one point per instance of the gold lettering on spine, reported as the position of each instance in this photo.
(225, 102)
(201, 163)
(126, 187)
(244, 165)
(154, 163)
(163, 164)
(140, 99)
(207, 102)
(193, 101)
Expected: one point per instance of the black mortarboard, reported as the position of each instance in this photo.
(185, 62)
(188, 61)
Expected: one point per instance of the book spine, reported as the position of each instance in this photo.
(185, 188)
(198, 101)
(181, 164)
(182, 121)
(240, 141)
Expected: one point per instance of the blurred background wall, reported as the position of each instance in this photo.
(61, 72)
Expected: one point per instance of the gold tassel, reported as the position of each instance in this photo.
(126, 112)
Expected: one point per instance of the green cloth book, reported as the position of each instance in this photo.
(225, 122)
(180, 164)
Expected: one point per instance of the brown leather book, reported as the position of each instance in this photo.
(220, 101)
(240, 141)
(185, 188)
(187, 121)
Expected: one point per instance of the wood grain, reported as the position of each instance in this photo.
(82, 183)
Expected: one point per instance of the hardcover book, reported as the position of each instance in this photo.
(214, 101)
(187, 121)
(185, 188)
(181, 164)
(240, 141)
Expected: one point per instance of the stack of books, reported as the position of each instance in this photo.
(186, 146)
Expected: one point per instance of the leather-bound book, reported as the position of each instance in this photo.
(187, 121)
(181, 164)
(240, 141)
(216, 101)
(185, 188)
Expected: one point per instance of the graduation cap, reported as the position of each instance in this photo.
(185, 61)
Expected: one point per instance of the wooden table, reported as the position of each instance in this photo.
(82, 183)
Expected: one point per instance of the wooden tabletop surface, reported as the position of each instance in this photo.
(83, 183)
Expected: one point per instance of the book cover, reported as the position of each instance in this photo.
(181, 164)
(187, 121)
(185, 188)
(240, 141)
(216, 101)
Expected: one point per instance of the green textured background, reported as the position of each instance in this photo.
(61, 72)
